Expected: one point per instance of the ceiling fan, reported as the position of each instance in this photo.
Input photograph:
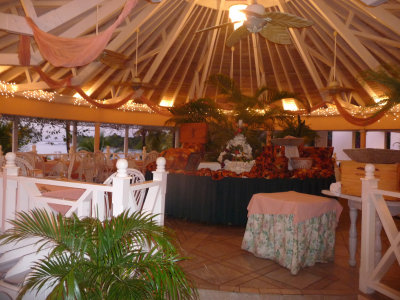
(120, 61)
(273, 26)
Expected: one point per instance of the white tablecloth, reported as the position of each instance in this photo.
(213, 166)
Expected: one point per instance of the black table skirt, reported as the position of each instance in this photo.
(201, 199)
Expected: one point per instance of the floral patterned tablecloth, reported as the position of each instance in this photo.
(292, 245)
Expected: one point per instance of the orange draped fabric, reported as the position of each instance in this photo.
(102, 105)
(358, 121)
(54, 84)
(74, 52)
(24, 51)
(67, 83)
(153, 106)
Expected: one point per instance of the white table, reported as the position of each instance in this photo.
(354, 204)
(296, 230)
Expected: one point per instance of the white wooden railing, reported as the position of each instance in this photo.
(18, 193)
(374, 206)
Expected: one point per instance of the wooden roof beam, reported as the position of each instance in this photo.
(343, 30)
(170, 40)
(379, 13)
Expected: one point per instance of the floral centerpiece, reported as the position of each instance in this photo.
(237, 155)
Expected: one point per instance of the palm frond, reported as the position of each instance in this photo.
(126, 257)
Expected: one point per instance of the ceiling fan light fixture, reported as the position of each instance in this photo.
(255, 9)
(167, 103)
(289, 104)
(236, 14)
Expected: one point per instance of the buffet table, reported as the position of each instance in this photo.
(202, 199)
(294, 229)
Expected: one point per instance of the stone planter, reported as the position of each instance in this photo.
(239, 166)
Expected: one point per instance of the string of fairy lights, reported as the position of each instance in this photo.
(8, 90)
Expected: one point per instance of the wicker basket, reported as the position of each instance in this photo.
(301, 162)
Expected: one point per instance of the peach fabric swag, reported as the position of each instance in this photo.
(75, 52)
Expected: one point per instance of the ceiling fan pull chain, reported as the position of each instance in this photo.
(97, 19)
(137, 47)
(334, 56)
(231, 71)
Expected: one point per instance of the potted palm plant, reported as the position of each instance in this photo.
(125, 257)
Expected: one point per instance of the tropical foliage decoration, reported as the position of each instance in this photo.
(298, 128)
(126, 257)
(389, 78)
(197, 111)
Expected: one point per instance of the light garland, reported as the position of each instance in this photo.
(7, 89)
(132, 106)
(354, 111)
(40, 95)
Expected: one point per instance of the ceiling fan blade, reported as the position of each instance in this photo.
(215, 27)
(236, 36)
(288, 20)
(276, 33)
(114, 59)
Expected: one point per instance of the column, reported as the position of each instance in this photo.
(126, 140)
(96, 137)
(14, 142)
(176, 138)
(74, 135)
(363, 138)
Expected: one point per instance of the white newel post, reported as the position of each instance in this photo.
(121, 185)
(160, 175)
(10, 185)
(368, 229)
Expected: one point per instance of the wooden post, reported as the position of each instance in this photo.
(126, 140)
(14, 142)
(363, 138)
(368, 229)
(96, 137)
(74, 136)
(176, 140)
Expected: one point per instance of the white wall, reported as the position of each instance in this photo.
(375, 139)
(342, 140)
(395, 138)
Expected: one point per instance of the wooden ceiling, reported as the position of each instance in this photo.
(178, 61)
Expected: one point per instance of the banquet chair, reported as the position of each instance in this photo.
(100, 165)
(26, 169)
(135, 177)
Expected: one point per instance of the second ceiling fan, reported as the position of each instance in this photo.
(273, 26)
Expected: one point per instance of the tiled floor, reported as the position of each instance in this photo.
(217, 263)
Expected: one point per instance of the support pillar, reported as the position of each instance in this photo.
(14, 142)
(126, 140)
(96, 137)
(363, 138)
(176, 139)
(74, 135)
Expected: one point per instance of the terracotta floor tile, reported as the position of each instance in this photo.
(300, 281)
(247, 261)
(222, 268)
(215, 273)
